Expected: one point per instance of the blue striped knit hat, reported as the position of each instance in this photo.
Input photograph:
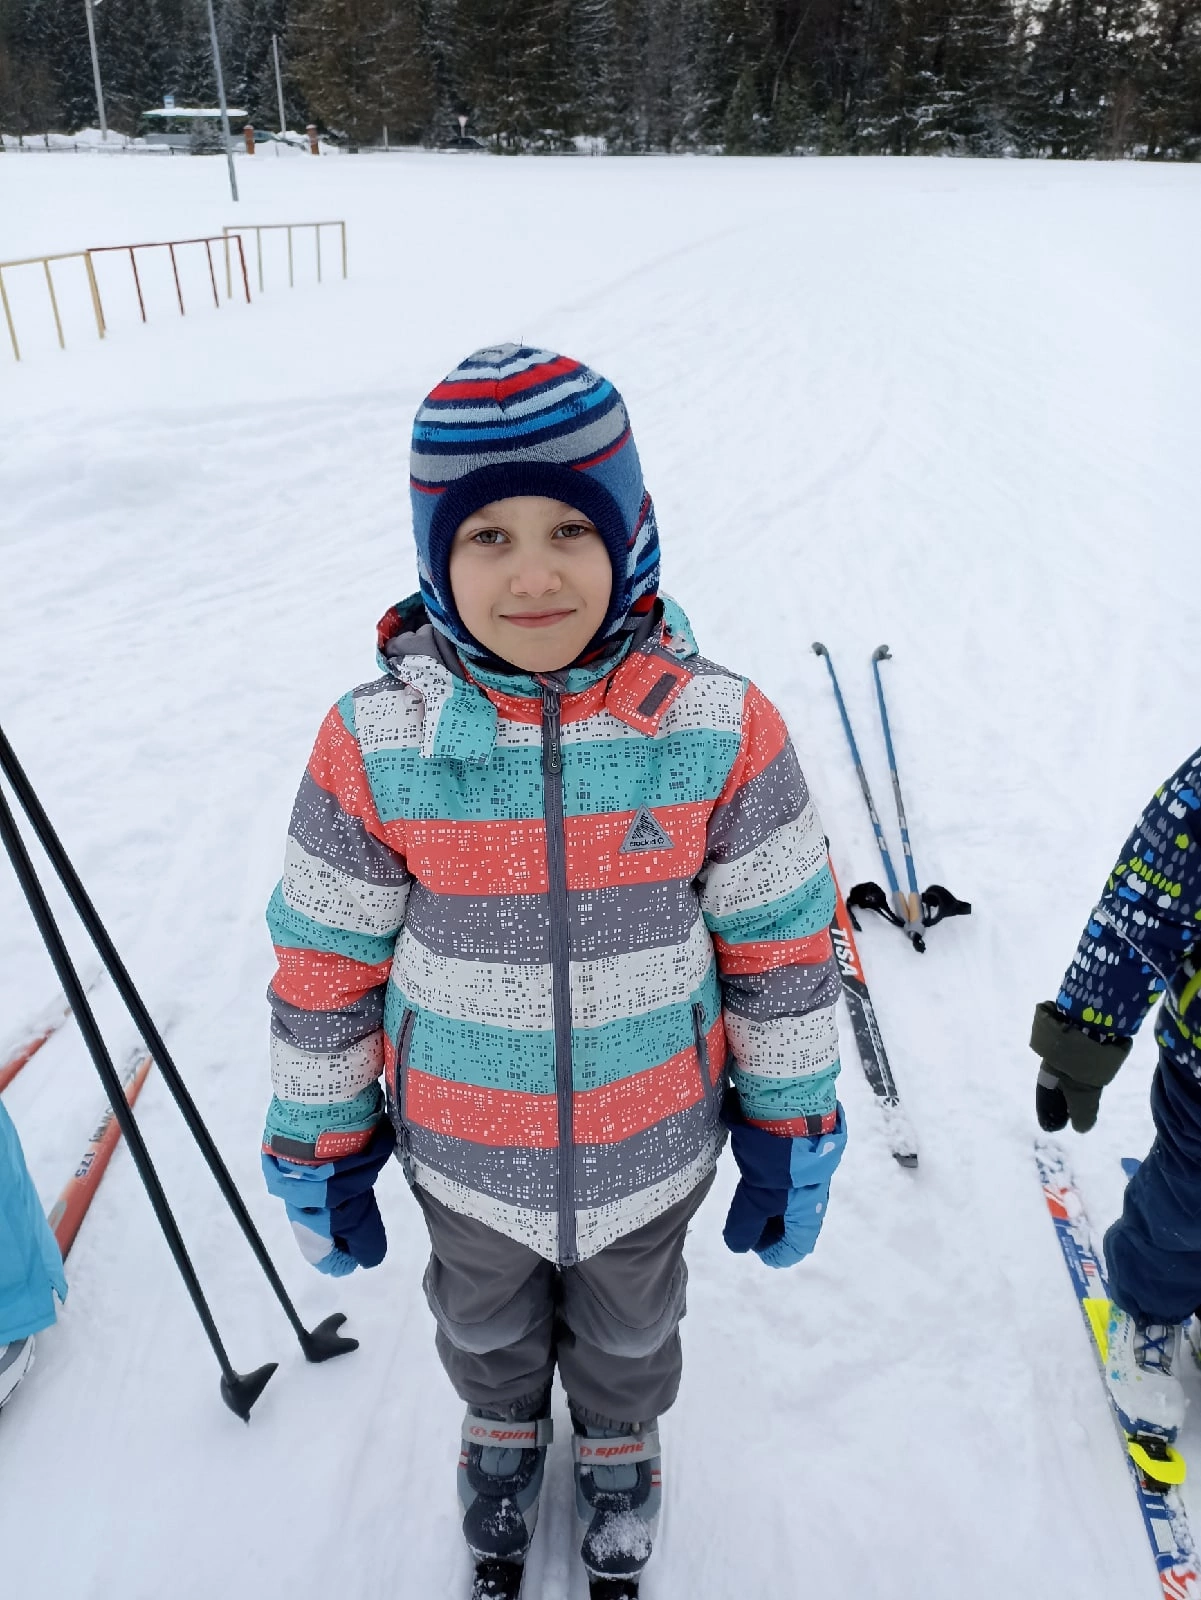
(511, 420)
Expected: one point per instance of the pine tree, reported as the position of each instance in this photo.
(361, 66)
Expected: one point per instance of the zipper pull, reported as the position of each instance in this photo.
(552, 754)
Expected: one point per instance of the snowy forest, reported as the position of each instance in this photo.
(1063, 78)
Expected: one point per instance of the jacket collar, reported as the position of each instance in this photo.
(462, 706)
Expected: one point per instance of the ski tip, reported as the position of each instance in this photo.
(497, 1580)
(612, 1588)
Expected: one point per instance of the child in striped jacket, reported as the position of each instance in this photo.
(554, 916)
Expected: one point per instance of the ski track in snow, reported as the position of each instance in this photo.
(947, 405)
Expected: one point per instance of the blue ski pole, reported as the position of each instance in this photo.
(909, 905)
(870, 896)
(922, 910)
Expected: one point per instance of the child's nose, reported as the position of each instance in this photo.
(536, 578)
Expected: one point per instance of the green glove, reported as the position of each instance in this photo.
(1076, 1066)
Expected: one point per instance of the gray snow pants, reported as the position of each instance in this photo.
(506, 1316)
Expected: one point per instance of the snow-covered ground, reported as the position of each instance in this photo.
(950, 405)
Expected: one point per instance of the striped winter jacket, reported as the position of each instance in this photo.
(554, 915)
(1140, 944)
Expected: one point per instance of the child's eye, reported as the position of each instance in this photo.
(573, 530)
(487, 536)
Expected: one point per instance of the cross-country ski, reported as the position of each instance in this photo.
(1164, 1517)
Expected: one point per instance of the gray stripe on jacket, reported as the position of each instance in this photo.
(777, 796)
(325, 830)
(782, 992)
(515, 929)
(604, 1172)
(328, 1030)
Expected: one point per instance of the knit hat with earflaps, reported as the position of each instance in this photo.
(511, 420)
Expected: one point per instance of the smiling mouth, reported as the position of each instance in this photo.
(536, 619)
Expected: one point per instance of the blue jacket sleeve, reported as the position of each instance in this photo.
(1142, 931)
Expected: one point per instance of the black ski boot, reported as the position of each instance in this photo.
(618, 1488)
(500, 1480)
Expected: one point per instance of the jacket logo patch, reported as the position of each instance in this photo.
(645, 834)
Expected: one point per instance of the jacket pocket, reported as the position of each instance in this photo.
(701, 1039)
(400, 1089)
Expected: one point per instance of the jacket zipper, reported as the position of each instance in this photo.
(702, 1047)
(560, 963)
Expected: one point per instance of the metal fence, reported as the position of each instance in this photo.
(64, 146)
(86, 256)
(44, 262)
(290, 228)
(171, 245)
(230, 239)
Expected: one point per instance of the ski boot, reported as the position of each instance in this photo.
(15, 1361)
(1141, 1369)
(618, 1490)
(500, 1479)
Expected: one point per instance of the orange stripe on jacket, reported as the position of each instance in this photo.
(311, 980)
(595, 859)
(738, 960)
(336, 765)
(763, 737)
(510, 857)
(496, 1117)
(521, 708)
(503, 1117)
(632, 1105)
(478, 857)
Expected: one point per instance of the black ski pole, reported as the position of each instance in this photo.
(319, 1343)
(238, 1390)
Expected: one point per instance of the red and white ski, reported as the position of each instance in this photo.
(867, 1033)
(67, 1214)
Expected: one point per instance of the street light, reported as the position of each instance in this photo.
(229, 155)
(96, 67)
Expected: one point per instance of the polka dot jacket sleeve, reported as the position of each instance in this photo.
(1138, 941)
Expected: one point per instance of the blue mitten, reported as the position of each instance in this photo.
(332, 1206)
(780, 1203)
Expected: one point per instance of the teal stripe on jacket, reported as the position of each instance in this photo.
(298, 1119)
(599, 776)
(292, 930)
(779, 1099)
(807, 909)
(492, 1057)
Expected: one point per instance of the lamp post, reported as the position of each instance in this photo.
(87, 5)
(229, 154)
(279, 85)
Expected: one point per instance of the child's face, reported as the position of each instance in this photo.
(532, 580)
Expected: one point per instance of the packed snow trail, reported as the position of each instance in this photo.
(947, 404)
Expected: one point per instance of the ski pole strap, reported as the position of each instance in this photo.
(938, 903)
(615, 1452)
(495, 1434)
(870, 897)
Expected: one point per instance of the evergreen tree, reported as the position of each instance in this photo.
(361, 66)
